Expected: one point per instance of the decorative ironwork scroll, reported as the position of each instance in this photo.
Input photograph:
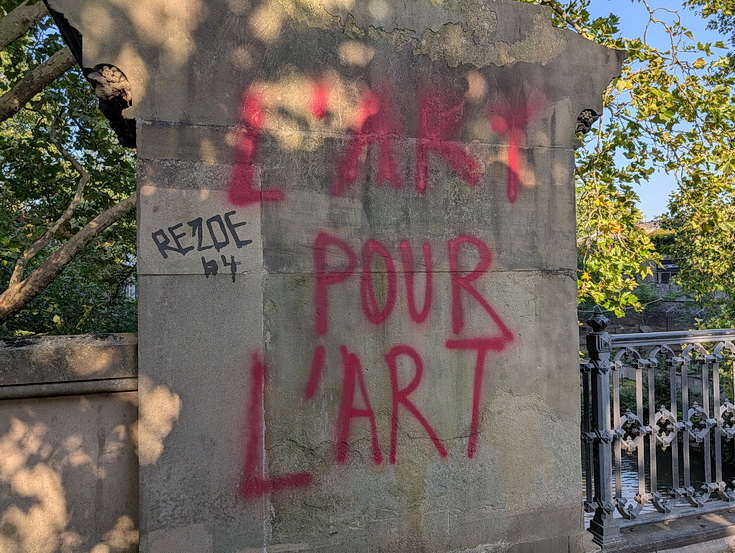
(663, 401)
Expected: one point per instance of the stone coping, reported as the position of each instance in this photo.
(63, 365)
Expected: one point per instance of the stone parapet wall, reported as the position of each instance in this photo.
(42, 366)
(68, 462)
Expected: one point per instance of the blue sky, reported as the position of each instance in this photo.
(633, 17)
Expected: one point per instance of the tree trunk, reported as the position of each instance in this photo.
(19, 21)
(18, 295)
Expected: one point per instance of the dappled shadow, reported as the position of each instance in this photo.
(159, 410)
(50, 359)
(68, 475)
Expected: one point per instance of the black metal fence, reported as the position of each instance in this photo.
(666, 400)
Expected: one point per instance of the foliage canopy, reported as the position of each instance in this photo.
(56, 141)
(670, 110)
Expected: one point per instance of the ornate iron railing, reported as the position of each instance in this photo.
(660, 398)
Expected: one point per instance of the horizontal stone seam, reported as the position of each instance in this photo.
(67, 388)
(349, 134)
(553, 272)
(107, 340)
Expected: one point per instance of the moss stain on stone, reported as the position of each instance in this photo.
(456, 44)
(456, 32)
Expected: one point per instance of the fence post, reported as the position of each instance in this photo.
(599, 347)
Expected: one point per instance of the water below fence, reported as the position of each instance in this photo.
(629, 477)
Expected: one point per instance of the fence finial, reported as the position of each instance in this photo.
(598, 322)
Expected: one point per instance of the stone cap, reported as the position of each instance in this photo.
(57, 359)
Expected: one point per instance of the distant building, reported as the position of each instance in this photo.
(662, 273)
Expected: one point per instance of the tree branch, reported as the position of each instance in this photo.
(561, 12)
(18, 295)
(19, 21)
(45, 240)
(34, 82)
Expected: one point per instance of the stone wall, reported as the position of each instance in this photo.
(68, 429)
(357, 270)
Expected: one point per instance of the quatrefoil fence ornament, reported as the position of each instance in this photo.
(727, 420)
(632, 431)
(665, 422)
(700, 423)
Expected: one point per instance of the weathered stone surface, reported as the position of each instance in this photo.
(176, 58)
(526, 234)
(315, 399)
(68, 465)
(58, 359)
(503, 477)
(69, 474)
(198, 381)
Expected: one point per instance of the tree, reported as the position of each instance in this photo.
(702, 212)
(671, 109)
(722, 13)
(64, 181)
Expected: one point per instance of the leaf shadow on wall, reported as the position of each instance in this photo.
(68, 474)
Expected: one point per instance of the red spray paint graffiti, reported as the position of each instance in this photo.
(408, 272)
(375, 124)
(319, 99)
(400, 397)
(353, 375)
(242, 191)
(368, 298)
(510, 119)
(317, 370)
(339, 268)
(439, 118)
(355, 403)
(354, 384)
(373, 312)
(326, 277)
(460, 283)
(253, 480)
(438, 121)
(482, 346)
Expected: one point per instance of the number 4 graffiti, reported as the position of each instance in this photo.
(211, 268)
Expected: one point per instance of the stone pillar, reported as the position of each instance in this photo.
(357, 271)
